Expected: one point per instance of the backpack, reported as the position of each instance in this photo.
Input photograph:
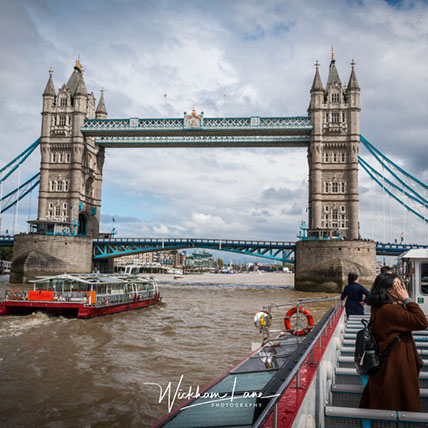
(367, 359)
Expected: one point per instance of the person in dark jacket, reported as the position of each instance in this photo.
(354, 294)
(396, 385)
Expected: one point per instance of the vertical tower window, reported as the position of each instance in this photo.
(53, 157)
(334, 187)
(335, 117)
(334, 157)
(343, 157)
(60, 157)
(334, 98)
(63, 102)
(343, 117)
(68, 157)
(326, 187)
(66, 185)
(59, 187)
(62, 120)
(343, 187)
(326, 117)
(326, 157)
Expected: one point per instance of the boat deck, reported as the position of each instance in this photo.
(311, 383)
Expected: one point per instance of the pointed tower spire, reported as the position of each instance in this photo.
(333, 75)
(101, 112)
(353, 82)
(81, 87)
(317, 83)
(50, 88)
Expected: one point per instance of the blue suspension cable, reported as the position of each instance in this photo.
(389, 169)
(21, 196)
(374, 149)
(395, 197)
(22, 157)
(422, 201)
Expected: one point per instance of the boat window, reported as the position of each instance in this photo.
(424, 278)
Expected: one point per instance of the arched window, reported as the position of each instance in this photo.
(88, 187)
(59, 186)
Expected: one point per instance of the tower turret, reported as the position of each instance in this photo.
(101, 112)
(333, 75)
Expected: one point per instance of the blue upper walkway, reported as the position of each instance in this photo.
(197, 131)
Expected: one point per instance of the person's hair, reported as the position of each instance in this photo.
(385, 269)
(352, 277)
(379, 293)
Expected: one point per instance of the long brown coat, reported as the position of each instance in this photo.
(395, 386)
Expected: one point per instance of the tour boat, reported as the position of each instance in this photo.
(304, 377)
(83, 296)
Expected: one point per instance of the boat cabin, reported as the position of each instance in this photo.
(415, 274)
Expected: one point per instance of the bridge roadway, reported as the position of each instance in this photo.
(282, 251)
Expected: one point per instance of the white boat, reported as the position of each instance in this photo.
(83, 295)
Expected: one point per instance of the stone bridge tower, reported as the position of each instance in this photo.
(333, 156)
(71, 165)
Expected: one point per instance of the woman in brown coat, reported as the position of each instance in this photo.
(395, 386)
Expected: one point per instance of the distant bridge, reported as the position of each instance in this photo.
(274, 250)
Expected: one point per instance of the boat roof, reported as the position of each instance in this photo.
(415, 253)
(91, 278)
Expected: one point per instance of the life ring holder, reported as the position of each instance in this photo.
(304, 331)
(262, 320)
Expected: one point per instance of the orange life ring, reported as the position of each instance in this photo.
(309, 318)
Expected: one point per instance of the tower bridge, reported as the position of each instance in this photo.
(75, 134)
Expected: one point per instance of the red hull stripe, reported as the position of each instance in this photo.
(83, 311)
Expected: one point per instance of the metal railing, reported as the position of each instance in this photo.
(291, 369)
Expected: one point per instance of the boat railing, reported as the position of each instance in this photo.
(13, 294)
(300, 320)
(308, 352)
(73, 296)
(116, 299)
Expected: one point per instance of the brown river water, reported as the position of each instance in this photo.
(100, 372)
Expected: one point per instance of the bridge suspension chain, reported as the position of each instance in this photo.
(406, 192)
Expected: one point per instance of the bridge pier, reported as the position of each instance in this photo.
(36, 254)
(323, 265)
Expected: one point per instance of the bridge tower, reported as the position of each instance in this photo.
(333, 155)
(71, 165)
(70, 185)
(324, 264)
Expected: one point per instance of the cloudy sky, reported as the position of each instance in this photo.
(262, 55)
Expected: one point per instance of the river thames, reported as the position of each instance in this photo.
(109, 371)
